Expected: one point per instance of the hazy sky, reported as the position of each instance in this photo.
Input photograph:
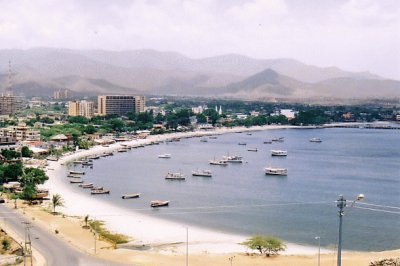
(355, 35)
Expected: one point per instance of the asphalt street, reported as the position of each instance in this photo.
(54, 250)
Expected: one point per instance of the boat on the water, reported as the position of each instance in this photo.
(122, 150)
(97, 188)
(204, 173)
(317, 140)
(233, 159)
(268, 142)
(94, 157)
(242, 143)
(252, 149)
(174, 176)
(86, 185)
(279, 139)
(100, 191)
(76, 173)
(159, 203)
(203, 140)
(275, 171)
(212, 137)
(164, 156)
(278, 153)
(74, 176)
(218, 162)
(76, 181)
(131, 196)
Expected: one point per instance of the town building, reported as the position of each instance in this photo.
(62, 94)
(120, 104)
(20, 132)
(81, 108)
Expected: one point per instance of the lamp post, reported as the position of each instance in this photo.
(341, 204)
(231, 259)
(187, 245)
(319, 249)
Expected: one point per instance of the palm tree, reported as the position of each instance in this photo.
(57, 201)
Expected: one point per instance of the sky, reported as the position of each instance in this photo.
(355, 35)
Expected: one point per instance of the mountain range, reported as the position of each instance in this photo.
(40, 71)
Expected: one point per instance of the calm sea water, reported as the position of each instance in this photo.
(240, 198)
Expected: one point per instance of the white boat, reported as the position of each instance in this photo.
(174, 176)
(280, 139)
(275, 171)
(100, 191)
(204, 173)
(318, 140)
(164, 156)
(218, 162)
(131, 196)
(76, 181)
(158, 203)
(233, 159)
(278, 153)
(86, 185)
(252, 149)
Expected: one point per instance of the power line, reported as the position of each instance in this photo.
(377, 210)
(377, 205)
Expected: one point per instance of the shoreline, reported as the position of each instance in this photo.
(160, 235)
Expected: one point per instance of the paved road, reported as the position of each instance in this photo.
(55, 250)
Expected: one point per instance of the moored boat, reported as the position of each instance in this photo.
(165, 156)
(268, 142)
(278, 153)
(76, 173)
(275, 171)
(218, 162)
(317, 140)
(76, 181)
(204, 173)
(280, 139)
(252, 149)
(100, 191)
(74, 176)
(233, 159)
(203, 140)
(86, 185)
(159, 203)
(242, 143)
(131, 196)
(174, 176)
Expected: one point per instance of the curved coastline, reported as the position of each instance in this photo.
(159, 234)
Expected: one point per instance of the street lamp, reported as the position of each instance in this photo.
(231, 259)
(341, 203)
(319, 249)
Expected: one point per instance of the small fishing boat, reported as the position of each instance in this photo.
(203, 140)
(278, 153)
(86, 185)
(76, 181)
(97, 188)
(76, 173)
(94, 157)
(249, 134)
(204, 173)
(158, 203)
(252, 149)
(212, 137)
(165, 156)
(131, 196)
(317, 140)
(242, 143)
(268, 142)
(280, 139)
(74, 176)
(122, 150)
(233, 159)
(218, 162)
(275, 171)
(174, 176)
(100, 191)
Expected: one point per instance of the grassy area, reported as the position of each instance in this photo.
(114, 238)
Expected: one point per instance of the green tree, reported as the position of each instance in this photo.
(212, 115)
(201, 118)
(26, 152)
(78, 119)
(12, 171)
(56, 201)
(267, 245)
(29, 191)
(6, 244)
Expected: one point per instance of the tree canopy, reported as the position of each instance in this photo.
(267, 245)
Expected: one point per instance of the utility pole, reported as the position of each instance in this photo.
(28, 244)
(187, 245)
(341, 203)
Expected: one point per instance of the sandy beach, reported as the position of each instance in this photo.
(164, 241)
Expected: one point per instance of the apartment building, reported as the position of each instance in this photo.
(120, 104)
(81, 108)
